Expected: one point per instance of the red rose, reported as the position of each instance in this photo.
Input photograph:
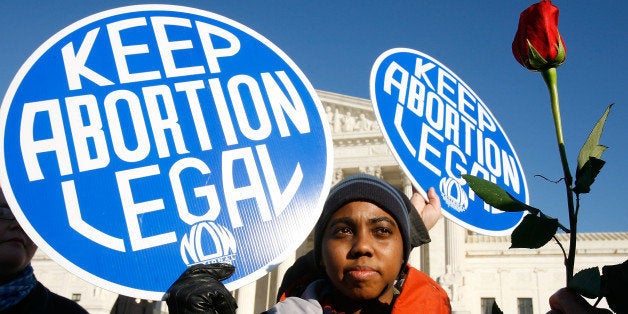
(537, 45)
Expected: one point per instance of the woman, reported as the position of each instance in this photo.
(362, 243)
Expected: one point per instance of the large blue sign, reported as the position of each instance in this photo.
(145, 139)
(438, 129)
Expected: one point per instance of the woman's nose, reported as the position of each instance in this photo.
(362, 245)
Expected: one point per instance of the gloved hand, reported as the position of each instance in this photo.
(200, 290)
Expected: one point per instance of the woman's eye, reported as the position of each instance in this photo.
(383, 231)
(342, 231)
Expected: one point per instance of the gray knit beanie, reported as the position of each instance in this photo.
(368, 188)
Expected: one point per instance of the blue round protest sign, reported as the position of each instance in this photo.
(439, 129)
(142, 140)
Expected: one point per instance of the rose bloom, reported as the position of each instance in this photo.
(538, 45)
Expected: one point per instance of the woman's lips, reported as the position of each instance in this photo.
(361, 273)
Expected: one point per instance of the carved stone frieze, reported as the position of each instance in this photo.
(348, 120)
(349, 116)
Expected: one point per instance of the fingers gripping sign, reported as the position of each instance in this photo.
(430, 210)
(199, 290)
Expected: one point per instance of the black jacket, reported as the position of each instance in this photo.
(42, 301)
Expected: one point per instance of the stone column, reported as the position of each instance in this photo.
(454, 256)
(452, 247)
(246, 299)
(282, 268)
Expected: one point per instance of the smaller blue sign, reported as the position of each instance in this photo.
(142, 140)
(439, 129)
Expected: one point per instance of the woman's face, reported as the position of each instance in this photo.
(362, 252)
(16, 248)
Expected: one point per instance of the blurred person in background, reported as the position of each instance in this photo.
(20, 292)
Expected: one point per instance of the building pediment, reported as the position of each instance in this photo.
(359, 143)
(351, 119)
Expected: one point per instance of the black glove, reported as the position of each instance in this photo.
(200, 290)
(419, 234)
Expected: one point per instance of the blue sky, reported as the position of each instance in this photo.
(336, 42)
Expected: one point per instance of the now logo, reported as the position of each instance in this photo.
(208, 243)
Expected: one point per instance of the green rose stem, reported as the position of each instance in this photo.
(550, 78)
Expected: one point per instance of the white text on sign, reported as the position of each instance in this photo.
(87, 132)
(450, 110)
